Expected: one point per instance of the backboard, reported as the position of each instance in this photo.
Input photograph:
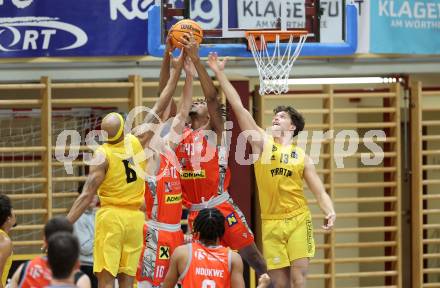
(331, 24)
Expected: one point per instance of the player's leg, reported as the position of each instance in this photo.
(105, 279)
(301, 247)
(254, 258)
(131, 248)
(107, 248)
(298, 273)
(239, 237)
(280, 277)
(275, 251)
(125, 281)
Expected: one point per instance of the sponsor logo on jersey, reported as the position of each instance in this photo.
(164, 252)
(173, 198)
(294, 155)
(186, 174)
(231, 219)
(281, 171)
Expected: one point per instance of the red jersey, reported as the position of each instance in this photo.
(163, 194)
(208, 267)
(201, 175)
(36, 273)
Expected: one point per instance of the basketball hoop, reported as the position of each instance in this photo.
(274, 68)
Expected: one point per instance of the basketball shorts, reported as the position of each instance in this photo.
(118, 240)
(158, 246)
(237, 232)
(287, 240)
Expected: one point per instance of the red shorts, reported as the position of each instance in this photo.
(237, 232)
(158, 246)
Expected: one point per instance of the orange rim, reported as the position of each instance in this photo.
(270, 35)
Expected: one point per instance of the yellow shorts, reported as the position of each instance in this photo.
(287, 240)
(118, 240)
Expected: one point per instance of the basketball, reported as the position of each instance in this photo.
(182, 27)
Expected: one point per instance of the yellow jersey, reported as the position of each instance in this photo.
(123, 185)
(8, 262)
(279, 173)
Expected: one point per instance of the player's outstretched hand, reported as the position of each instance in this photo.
(263, 281)
(177, 63)
(215, 63)
(191, 46)
(329, 221)
(189, 68)
(168, 46)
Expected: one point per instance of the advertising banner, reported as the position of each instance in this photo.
(405, 27)
(31, 28)
(263, 14)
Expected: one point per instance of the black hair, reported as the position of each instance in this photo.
(296, 117)
(210, 224)
(5, 208)
(221, 108)
(57, 224)
(62, 254)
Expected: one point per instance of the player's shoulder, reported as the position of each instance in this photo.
(236, 258)
(5, 242)
(132, 139)
(235, 262)
(181, 251)
(181, 255)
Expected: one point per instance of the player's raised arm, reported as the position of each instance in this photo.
(317, 188)
(145, 135)
(165, 67)
(168, 91)
(245, 119)
(211, 94)
(164, 76)
(174, 137)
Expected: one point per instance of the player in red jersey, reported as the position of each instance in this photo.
(204, 174)
(36, 272)
(163, 194)
(205, 263)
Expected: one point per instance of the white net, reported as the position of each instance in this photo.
(274, 66)
(22, 171)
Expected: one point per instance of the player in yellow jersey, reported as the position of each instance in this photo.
(116, 177)
(280, 172)
(7, 221)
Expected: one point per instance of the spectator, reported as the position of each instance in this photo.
(36, 272)
(63, 259)
(84, 229)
